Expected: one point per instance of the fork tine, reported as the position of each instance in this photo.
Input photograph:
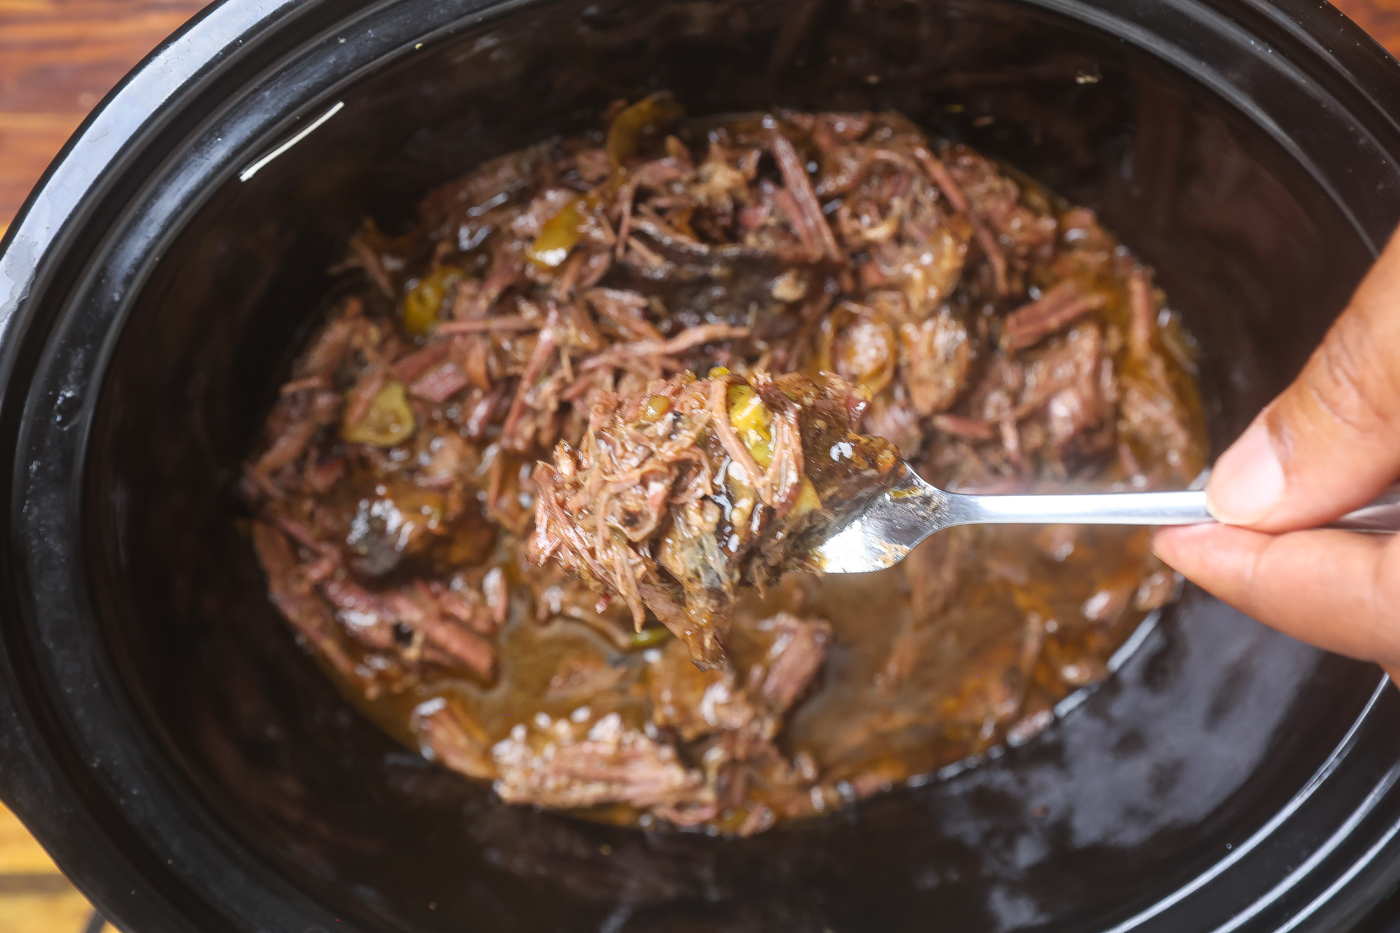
(882, 533)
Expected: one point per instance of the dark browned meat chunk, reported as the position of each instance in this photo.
(603, 762)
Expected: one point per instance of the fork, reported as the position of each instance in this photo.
(883, 533)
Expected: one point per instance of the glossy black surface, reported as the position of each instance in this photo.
(192, 769)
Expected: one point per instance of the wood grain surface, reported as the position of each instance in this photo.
(1381, 18)
(58, 59)
(34, 897)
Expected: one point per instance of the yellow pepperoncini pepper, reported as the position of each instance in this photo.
(389, 423)
(560, 232)
(655, 408)
(559, 235)
(646, 117)
(648, 637)
(423, 304)
(807, 499)
(753, 422)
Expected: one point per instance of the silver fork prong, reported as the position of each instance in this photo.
(887, 529)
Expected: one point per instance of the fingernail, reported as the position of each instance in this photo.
(1247, 481)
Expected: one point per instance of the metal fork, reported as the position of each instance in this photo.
(909, 510)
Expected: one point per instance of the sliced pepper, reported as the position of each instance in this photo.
(422, 306)
(646, 117)
(389, 422)
(807, 499)
(649, 637)
(559, 235)
(655, 407)
(752, 421)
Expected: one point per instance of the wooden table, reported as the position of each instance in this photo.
(58, 58)
(1381, 18)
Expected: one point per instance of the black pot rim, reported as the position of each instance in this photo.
(67, 794)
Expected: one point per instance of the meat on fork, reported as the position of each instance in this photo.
(680, 496)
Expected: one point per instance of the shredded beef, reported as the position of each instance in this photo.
(664, 504)
(545, 461)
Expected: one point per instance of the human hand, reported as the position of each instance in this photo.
(1329, 444)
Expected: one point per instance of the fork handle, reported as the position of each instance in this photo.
(1382, 516)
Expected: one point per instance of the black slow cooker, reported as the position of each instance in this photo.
(189, 767)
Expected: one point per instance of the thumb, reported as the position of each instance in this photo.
(1331, 441)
